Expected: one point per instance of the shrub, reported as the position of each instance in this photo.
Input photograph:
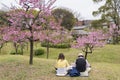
(13, 52)
(60, 45)
(38, 52)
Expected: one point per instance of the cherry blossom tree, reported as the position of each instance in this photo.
(89, 42)
(14, 35)
(1, 39)
(31, 23)
(52, 32)
(53, 36)
(114, 33)
(49, 32)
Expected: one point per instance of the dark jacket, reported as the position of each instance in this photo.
(81, 64)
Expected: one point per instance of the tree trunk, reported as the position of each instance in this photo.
(86, 51)
(31, 50)
(27, 45)
(86, 55)
(47, 49)
(0, 50)
(22, 47)
(16, 48)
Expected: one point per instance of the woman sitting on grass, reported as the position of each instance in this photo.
(61, 65)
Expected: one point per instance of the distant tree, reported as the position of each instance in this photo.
(77, 16)
(88, 43)
(54, 37)
(65, 16)
(14, 35)
(113, 33)
(98, 24)
(1, 38)
(3, 18)
(49, 32)
(110, 11)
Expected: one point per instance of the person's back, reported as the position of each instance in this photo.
(62, 64)
(81, 64)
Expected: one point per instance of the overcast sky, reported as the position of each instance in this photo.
(84, 7)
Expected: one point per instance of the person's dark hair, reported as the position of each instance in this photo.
(61, 56)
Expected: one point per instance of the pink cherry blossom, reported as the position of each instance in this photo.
(92, 40)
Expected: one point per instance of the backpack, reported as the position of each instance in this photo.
(73, 72)
(81, 64)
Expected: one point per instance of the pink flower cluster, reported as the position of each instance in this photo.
(93, 39)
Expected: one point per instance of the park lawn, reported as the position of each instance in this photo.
(105, 64)
(16, 67)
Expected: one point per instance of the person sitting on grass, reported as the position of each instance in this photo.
(82, 65)
(61, 65)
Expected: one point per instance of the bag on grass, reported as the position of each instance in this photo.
(73, 72)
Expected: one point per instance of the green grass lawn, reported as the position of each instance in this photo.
(105, 64)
